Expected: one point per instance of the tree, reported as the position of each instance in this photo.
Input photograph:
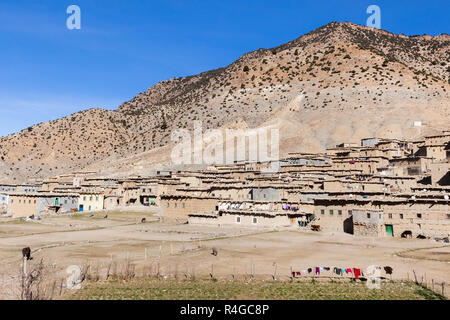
(164, 124)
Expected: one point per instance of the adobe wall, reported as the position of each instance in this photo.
(182, 207)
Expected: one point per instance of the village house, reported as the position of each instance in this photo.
(129, 192)
(24, 204)
(7, 188)
(438, 139)
(354, 185)
(179, 206)
(438, 152)
(368, 223)
(112, 197)
(148, 194)
(259, 214)
(262, 219)
(20, 188)
(397, 184)
(412, 166)
(167, 186)
(4, 200)
(421, 216)
(440, 173)
(90, 200)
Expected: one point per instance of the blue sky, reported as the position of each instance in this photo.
(48, 71)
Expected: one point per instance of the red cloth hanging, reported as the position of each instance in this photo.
(356, 272)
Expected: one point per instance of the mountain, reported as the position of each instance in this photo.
(340, 82)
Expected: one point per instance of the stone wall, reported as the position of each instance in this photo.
(244, 220)
(180, 207)
(366, 229)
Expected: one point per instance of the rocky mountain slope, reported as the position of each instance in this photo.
(353, 82)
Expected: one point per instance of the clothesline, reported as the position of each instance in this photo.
(287, 207)
(355, 272)
(339, 271)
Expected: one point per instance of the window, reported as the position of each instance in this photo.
(96, 198)
(401, 215)
(255, 220)
(110, 200)
(419, 215)
(331, 212)
(368, 215)
(90, 198)
(168, 204)
(84, 198)
(350, 213)
(340, 212)
(176, 205)
(184, 205)
(322, 211)
(238, 219)
(390, 215)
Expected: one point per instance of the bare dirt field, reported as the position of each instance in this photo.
(176, 248)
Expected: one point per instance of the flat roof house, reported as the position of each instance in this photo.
(90, 201)
(27, 204)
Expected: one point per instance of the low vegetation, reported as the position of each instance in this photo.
(152, 289)
(435, 253)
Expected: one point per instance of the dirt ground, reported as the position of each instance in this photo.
(80, 240)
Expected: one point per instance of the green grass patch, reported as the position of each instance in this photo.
(428, 294)
(152, 289)
(15, 221)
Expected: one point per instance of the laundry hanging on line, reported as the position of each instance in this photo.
(355, 272)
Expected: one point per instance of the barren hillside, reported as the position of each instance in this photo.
(356, 82)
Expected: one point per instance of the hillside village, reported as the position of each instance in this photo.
(225, 153)
(381, 187)
(356, 82)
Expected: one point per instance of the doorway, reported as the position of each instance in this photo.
(389, 230)
(348, 225)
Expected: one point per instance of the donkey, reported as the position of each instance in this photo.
(26, 252)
